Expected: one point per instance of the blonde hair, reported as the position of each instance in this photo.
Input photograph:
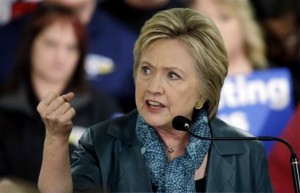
(255, 47)
(203, 42)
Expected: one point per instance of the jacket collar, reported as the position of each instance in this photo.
(219, 129)
(127, 133)
(222, 129)
(135, 175)
(222, 155)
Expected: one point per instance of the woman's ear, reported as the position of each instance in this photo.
(199, 103)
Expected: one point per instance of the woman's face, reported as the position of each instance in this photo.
(55, 53)
(166, 83)
(227, 22)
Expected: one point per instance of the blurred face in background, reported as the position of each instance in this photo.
(55, 53)
(146, 4)
(72, 3)
(227, 22)
(283, 35)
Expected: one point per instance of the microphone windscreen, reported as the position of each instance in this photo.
(181, 123)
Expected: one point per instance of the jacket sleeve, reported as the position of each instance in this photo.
(262, 178)
(85, 166)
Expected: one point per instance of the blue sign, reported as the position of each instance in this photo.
(260, 103)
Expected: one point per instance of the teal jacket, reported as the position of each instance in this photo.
(109, 160)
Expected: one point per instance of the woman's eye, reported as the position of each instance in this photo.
(50, 43)
(72, 48)
(145, 70)
(173, 75)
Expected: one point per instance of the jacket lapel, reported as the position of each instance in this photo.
(219, 181)
(134, 174)
(221, 164)
(134, 170)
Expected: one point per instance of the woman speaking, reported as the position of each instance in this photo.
(179, 69)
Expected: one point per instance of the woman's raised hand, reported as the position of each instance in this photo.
(57, 115)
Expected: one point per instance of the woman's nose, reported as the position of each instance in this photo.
(156, 85)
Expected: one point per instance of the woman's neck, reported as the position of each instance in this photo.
(174, 141)
(239, 64)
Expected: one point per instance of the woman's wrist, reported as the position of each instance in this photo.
(57, 140)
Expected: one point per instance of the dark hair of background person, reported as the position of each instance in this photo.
(274, 8)
(280, 20)
(43, 17)
(287, 11)
(134, 16)
(130, 17)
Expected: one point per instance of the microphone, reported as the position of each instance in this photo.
(183, 124)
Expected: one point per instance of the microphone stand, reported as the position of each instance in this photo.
(293, 160)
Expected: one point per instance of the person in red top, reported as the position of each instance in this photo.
(279, 159)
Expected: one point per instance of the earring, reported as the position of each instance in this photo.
(199, 104)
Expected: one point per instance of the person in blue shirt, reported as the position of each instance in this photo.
(113, 27)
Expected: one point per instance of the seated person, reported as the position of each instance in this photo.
(50, 58)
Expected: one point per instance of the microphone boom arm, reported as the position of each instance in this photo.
(183, 124)
(293, 160)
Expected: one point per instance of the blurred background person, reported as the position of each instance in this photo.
(11, 33)
(241, 34)
(252, 86)
(113, 27)
(51, 57)
(280, 21)
(134, 13)
(110, 59)
(5, 11)
(17, 186)
(247, 52)
(279, 159)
